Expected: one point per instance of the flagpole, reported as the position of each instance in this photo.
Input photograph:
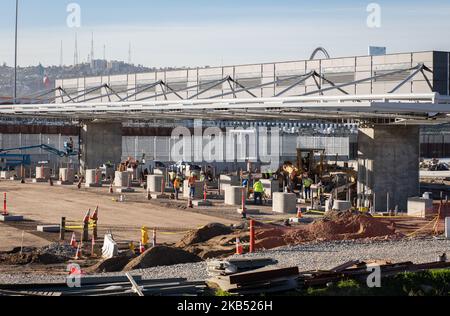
(15, 54)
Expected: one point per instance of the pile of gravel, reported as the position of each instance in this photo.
(58, 250)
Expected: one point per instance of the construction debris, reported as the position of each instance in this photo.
(109, 286)
(258, 281)
(232, 266)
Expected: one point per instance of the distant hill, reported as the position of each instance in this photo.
(31, 79)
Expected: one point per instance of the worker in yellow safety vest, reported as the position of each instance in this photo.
(258, 191)
(307, 183)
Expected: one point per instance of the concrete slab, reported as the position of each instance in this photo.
(48, 228)
(159, 196)
(11, 218)
(64, 183)
(249, 211)
(93, 185)
(125, 190)
(202, 203)
(39, 181)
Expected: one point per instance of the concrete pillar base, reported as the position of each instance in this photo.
(233, 196)
(154, 183)
(285, 203)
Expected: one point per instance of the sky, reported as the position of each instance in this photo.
(218, 32)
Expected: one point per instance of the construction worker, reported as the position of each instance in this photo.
(307, 183)
(191, 183)
(258, 191)
(172, 177)
(177, 186)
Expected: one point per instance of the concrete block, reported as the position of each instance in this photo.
(11, 218)
(228, 181)
(48, 228)
(284, 203)
(447, 227)
(122, 179)
(342, 206)
(42, 172)
(270, 187)
(7, 174)
(154, 182)
(199, 186)
(93, 178)
(233, 195)
(66, 175)
(420, 207)
(125, 190)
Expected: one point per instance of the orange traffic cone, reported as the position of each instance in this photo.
(93, 247)
(87, 216)
(5, 210)
(239, 247)
(94, 216)
(299, 213)
(73, 241)
(111, 189)
(78, 253)
(141, 247)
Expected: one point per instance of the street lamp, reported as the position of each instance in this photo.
(15, 54)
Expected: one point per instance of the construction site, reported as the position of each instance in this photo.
(276, 178)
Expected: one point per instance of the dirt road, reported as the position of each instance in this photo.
(46, 205)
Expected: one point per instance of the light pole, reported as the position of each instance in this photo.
(15, 54)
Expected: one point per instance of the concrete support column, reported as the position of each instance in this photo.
(388, 166)
(100, 142)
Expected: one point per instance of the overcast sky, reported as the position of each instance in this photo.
(215, 32)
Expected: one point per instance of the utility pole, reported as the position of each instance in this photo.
(15, 54)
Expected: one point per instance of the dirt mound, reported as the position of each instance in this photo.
(218, 247)
(30, 258)
(115, 264)
(334, 226)
(204, 234)
(342, 226)
(161, 256)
